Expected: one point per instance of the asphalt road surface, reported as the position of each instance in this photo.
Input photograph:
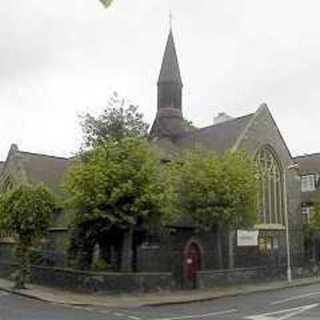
(294, 304)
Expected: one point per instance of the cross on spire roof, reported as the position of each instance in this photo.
(170, 19)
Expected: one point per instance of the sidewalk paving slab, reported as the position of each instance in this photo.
(131, 300)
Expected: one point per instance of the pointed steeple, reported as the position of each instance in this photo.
(169, 82)
(170, 71)
(169, 119)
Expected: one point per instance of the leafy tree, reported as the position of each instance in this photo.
(121, 184)
(119, 120)
(26, 213)
(216, 191)
(312, 227)
(315, 219)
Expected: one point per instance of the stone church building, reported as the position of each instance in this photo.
(181, 250)
(259, 135)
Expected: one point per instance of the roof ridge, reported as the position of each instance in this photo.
(307, 155)
(229, 120)
(184, 134)
(43, 155)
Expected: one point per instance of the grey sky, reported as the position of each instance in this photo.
(61, 58)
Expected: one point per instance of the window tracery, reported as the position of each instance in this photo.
(271, 191)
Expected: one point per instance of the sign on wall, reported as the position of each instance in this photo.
(246, 238)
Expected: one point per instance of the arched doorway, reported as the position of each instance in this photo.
(192, 262)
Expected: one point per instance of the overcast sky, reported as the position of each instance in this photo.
(61, 58)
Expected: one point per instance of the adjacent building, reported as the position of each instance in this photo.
(309, 167)
(23, 167)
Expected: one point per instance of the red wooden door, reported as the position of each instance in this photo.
(192, 261)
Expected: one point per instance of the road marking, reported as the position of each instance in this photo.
(118, 314)
(134, 318)
(90, 309)
(78, 307)
(199, 316)
(307, 295)
(104, 311)
(282, 314)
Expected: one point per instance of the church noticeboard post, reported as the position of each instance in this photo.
(246, 238)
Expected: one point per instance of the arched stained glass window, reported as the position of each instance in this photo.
(271, 195)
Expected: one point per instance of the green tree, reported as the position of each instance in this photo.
(26, 213)
(315, 219)
(312, 228)
(216, 191)
(120, 184)
(119, 120)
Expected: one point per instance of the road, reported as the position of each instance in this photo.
(296, 303)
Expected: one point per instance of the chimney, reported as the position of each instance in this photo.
(221, 117)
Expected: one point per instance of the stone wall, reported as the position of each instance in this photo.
(93, 282)
(310, 270)
(215, 278)
(167, 254)
(7, 251)
(113, 282)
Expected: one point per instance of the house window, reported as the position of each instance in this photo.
(307, 213)
(308, 183)
(271, 197)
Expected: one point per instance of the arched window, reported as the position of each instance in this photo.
(271, 196)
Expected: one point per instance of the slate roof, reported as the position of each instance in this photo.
(40, 168)
(1, 166)
(170, 71)
(219, 137)
(309, 163)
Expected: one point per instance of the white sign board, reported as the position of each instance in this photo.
(247, 238)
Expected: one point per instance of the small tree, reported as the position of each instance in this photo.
(315, 219)
(311, 228)
(216, 192)
(25, 212)
(119, 120)
(119, 123)
(120, 184)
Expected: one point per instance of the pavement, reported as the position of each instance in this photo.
(301, 302)
(136, 300)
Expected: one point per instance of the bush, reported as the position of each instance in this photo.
(100, 265)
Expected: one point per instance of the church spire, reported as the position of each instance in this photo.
(169, 82)
(170, 71)
(169, 119)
